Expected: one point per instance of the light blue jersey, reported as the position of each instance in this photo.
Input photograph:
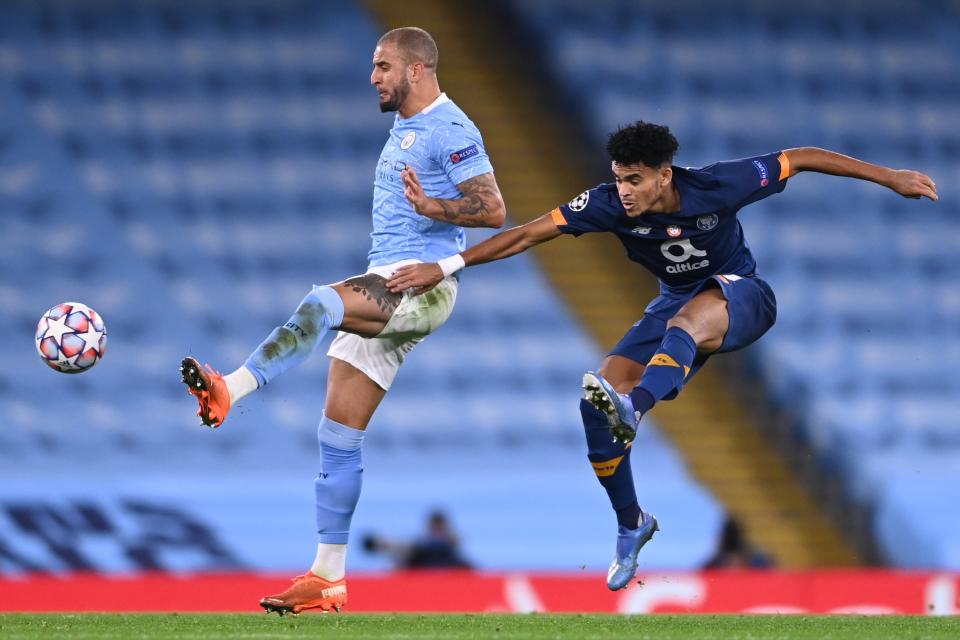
(445, 149)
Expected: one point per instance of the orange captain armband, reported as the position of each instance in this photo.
(784, 166)
(557, 216)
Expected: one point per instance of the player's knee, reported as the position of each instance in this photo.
(321, 308)
(333, 433)
(707, 332)
(681, 321)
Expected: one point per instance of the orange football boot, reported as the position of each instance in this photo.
(210, 390)
(309, 591)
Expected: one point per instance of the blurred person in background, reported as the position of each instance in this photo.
(734, 551)
(377, 327)
(680, 224)
(437, 548)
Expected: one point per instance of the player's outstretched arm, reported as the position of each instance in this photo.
(910, 184)
(481, 204)
(425, 276)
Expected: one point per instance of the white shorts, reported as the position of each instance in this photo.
(415, 318)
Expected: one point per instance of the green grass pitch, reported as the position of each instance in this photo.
(455, 626)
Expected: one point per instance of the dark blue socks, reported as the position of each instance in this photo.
(666, 371)
(611, 463)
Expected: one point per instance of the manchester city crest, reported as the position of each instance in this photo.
(705, 223)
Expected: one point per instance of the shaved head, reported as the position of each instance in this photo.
(414, 45)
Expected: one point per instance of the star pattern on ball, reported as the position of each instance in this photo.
(91, 338)
(56, 328)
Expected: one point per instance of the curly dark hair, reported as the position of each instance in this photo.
(651, 144)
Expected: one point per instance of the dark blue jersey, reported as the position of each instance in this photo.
(702, 239)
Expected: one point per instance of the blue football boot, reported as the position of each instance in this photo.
(618, 407)
(629, 543)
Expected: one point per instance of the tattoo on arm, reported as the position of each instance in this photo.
(374, 287)
(480, 197)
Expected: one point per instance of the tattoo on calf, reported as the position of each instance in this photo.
(374, 287)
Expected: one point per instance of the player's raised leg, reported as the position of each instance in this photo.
(361, 305)
(699, 327)
(352, 398)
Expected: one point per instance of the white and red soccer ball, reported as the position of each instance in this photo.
(71, 337)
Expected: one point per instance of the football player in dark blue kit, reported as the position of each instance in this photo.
(681, 224)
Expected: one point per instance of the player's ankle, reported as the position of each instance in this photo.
(240, 383)
(629, 516)
(330, 562)
(641, 399)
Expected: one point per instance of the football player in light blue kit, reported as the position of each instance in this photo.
(434, 164)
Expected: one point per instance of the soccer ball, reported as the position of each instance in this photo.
(71, 337)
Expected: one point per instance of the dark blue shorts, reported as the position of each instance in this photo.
(750, 303)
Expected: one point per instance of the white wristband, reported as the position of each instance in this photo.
(451, 264)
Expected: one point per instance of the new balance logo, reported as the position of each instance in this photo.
(606, 468)
(329, 592)
(663, 360)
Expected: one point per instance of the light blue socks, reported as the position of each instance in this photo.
(339, 481)
(289, 345)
